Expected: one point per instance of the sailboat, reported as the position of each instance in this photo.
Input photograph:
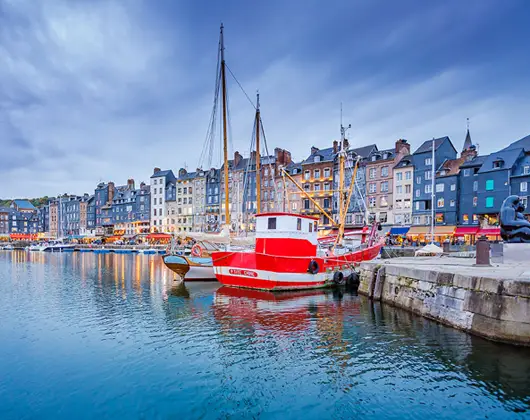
(288, 255)
(196, 264)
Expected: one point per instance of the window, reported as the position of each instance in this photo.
(399, 189)
(428, 188)
(160, 190)
(373, 173)
(272, 223)
(384, 186)
(298, 224)
(489, 185)
(428, 161)
(475, 218)
(452, 203)
(384, 171)
(307, 187)
(327, 172)
(416, 220)
(266, 172)
(384, 201)
(399, 204)
(466, 172)
(306, 204)
(317, 187)
(475, 201)
(428, 175)
(399, 176)
(294, 206)
(408, 189)
(317, 158)
(524, 186)
(317, 173)
(440, 203)
(326, 203)
(418, 180)
(307, 175)
(489, 202)
(439, 217)
(373, 187)
(475, 185)
(406, 204)
(417, 193)
(371, 201)
(326, 186)
(154, 212)
(453, 187)
(408, 175)
(465, 219)
(382, 217)
(311, 227)
(440, 187)
(498, 164)
(526, 170)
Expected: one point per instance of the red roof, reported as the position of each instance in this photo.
(466, 230)
(303, 216)
(493, 231)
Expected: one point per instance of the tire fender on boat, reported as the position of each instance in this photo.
(313, 267)
(338, 278)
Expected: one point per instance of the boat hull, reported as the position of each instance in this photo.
(269, 272)
(190, 268)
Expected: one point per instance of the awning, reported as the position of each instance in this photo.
(23, 236)
(444, 230)
(493, 231)
(401, 230)
(418, 230)
(158, 236)
(466, 230)
(128, 236)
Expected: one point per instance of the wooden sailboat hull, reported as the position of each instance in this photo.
(190, 268)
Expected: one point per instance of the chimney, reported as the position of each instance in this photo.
(156, 170)
(111, 192)
(403, 147)
(314, 150)
(142, 184)
(335, 146)
(130, 184)
(237, 159)
(346, 144)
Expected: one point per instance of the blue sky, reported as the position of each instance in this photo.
(106, 90)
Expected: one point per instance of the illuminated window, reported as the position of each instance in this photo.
(440, 202)
(489, 185)
(489, 202)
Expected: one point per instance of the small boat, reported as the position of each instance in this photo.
(150, 251)
(189, 267)
(287, 257)
(34, 247)
(102, 251)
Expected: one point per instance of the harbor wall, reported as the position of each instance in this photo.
(497, 309)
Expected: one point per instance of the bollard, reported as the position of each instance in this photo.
(483, 252)
(446, 246)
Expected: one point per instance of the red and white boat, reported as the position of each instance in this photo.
(288, 257)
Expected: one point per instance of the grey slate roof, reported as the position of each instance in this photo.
(326, 155)
(427, 145)
(478, 161)
(365, 151)
(405, 161)
(509, 157)
(164, 173)
(24, 204)
(521, 143)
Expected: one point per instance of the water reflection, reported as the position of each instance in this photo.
(202, 350)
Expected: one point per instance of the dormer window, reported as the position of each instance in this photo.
(499, 163)
(317, 158)
(374, 158)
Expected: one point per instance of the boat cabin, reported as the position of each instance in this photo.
(286, 234)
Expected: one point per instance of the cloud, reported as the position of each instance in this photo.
(106, 90)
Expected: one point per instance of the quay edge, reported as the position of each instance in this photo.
(491, 302)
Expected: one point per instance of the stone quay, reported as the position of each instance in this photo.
(492, 302)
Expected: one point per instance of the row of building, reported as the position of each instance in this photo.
(392, 186)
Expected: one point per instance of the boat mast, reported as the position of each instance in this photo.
(225, 135)
(342, 199)
(258, 158)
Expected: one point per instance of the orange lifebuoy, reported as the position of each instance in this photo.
(196, 250)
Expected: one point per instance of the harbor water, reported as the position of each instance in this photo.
(113, 336)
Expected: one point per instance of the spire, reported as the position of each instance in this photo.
(467, 141)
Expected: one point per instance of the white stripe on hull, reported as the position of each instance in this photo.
(278, 277)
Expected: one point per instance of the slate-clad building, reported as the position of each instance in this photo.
(213, 185)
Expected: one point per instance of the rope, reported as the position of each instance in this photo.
(241, 87)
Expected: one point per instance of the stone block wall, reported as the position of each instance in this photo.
(493, 308)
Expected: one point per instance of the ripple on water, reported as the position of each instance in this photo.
(86, 336)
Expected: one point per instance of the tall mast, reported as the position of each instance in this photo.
(225, 135)
(258, 158)
(342, 199)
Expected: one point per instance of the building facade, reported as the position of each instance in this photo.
(403, 173)
(213, 185)
(199, 201)
(159, 180)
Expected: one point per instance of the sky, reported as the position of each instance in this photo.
(106, 90)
